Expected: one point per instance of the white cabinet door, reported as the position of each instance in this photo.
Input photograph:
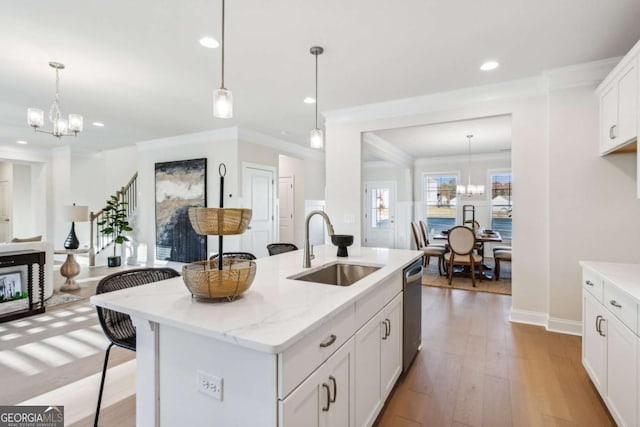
(324, 399)
(391, 348)
(367, 367)
(628, 104)
(594, 343)
(621, 371)
(608, 118)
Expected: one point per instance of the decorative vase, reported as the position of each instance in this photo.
(114, 261)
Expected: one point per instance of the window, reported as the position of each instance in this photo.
(440, 202)
(501, 204)
(379, 208)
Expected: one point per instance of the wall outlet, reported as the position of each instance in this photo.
(209, 385)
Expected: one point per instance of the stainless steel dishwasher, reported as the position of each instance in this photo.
(412, 313)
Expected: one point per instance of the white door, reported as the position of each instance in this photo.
(340, 380)
(285, 194)
(621, 371)
(379, 214)
(594, 353)
(258, 196)
(367, 367)
(391, 348)
(6, 226)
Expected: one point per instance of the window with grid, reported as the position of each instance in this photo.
(501, 203)
(440, 202)
(380, 208)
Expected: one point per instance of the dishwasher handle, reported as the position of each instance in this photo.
(413, 272)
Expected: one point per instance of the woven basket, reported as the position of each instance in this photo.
(204, 280)
(219, 221)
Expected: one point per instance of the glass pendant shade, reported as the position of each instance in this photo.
(316, 138)
(60, 127)
(75, 122)
(35, 117)
(222, 103)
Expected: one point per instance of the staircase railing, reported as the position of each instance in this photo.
(99, 240)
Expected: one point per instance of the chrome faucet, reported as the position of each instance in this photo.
(306, 262)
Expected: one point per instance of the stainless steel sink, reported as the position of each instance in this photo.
(337, 274)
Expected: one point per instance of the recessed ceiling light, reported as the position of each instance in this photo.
(209, 42)
(98, 124)
(309, 100)
(21, 142)
(489, 65)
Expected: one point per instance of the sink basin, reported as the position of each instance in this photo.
(337, 274)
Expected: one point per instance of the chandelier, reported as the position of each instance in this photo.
(470, 190)
(61, 125)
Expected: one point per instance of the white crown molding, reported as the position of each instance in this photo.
(564, 326)
(383, 149)
(424, 161)
(529, 317)
(587, 74)
(378, 164)
(206, 137)
(522, 88)
(286, 147)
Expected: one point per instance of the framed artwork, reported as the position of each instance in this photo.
(13, 292)
(179, 185)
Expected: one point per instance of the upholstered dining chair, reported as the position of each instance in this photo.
(278, 248)
(118, 327)
(425, 235)
(462, 242)
(428, 251)
(500, 254)
(236, 255)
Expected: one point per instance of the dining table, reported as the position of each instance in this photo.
(483, 236)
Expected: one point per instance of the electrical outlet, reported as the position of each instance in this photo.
(209, 385)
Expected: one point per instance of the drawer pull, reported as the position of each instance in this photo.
(326, 387)
(615, 303)
(589, 283)
(329, 341)
(335, 389)
(602, 319)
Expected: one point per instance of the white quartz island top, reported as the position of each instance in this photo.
(274, 313)
(625, 276)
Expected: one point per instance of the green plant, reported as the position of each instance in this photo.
(115, 221)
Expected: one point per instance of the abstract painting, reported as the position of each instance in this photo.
(179, 186)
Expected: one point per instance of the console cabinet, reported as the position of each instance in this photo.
(610, 344)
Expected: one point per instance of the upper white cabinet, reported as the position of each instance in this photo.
(618, 95)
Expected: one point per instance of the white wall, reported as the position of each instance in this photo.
(23, 212)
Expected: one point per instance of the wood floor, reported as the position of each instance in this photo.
(478, 369)
(475, 369)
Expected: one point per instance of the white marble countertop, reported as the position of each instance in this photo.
(625, 276)
(274, 313)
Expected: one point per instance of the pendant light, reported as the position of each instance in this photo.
(316, 136)
(222, 97)
(470, 190)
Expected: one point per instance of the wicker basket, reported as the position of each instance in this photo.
(219, 221)
(204, 280)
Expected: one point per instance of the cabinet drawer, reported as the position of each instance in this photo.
(592, 282)
(621, 305)
(372, 303)
(300, 360)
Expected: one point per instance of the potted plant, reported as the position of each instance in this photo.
(115, 224)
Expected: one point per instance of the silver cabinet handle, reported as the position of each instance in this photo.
(326, 387)
(602, 319)
(335, 389)
(386, 332)
(598, 317)
(328, 342)
(389, 323)
(589, 283)
(612, 134)
(615, 303)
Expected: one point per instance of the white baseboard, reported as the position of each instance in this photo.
(551, 324)
(529, 317)
(564, 326)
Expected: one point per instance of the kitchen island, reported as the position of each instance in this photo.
(286, 353)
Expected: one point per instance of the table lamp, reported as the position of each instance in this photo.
(74, 214)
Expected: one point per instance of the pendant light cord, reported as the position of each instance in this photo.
(222, 44)
(316, 55)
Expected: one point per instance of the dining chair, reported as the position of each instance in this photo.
(236, 255)
(278, 248)
(118, 327)
(425, 235)
(428, 251)
(462, 242)
(500, 254)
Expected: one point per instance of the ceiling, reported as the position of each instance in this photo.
(137, 65)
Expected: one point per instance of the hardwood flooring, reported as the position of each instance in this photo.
(475, 369)
(478, 369)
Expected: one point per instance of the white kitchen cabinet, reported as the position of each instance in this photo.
(621, 371)
(323, 399)
(594, 342)
(378, 360)
(619, 106)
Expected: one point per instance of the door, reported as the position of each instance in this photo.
(285, 194)
(391, 346)
(304, 405)
(628, 104)
(594, 354)
(258, 183)
(367, 367)
(6, 226)
(608, 118)
(621, 371)
(379, 214)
